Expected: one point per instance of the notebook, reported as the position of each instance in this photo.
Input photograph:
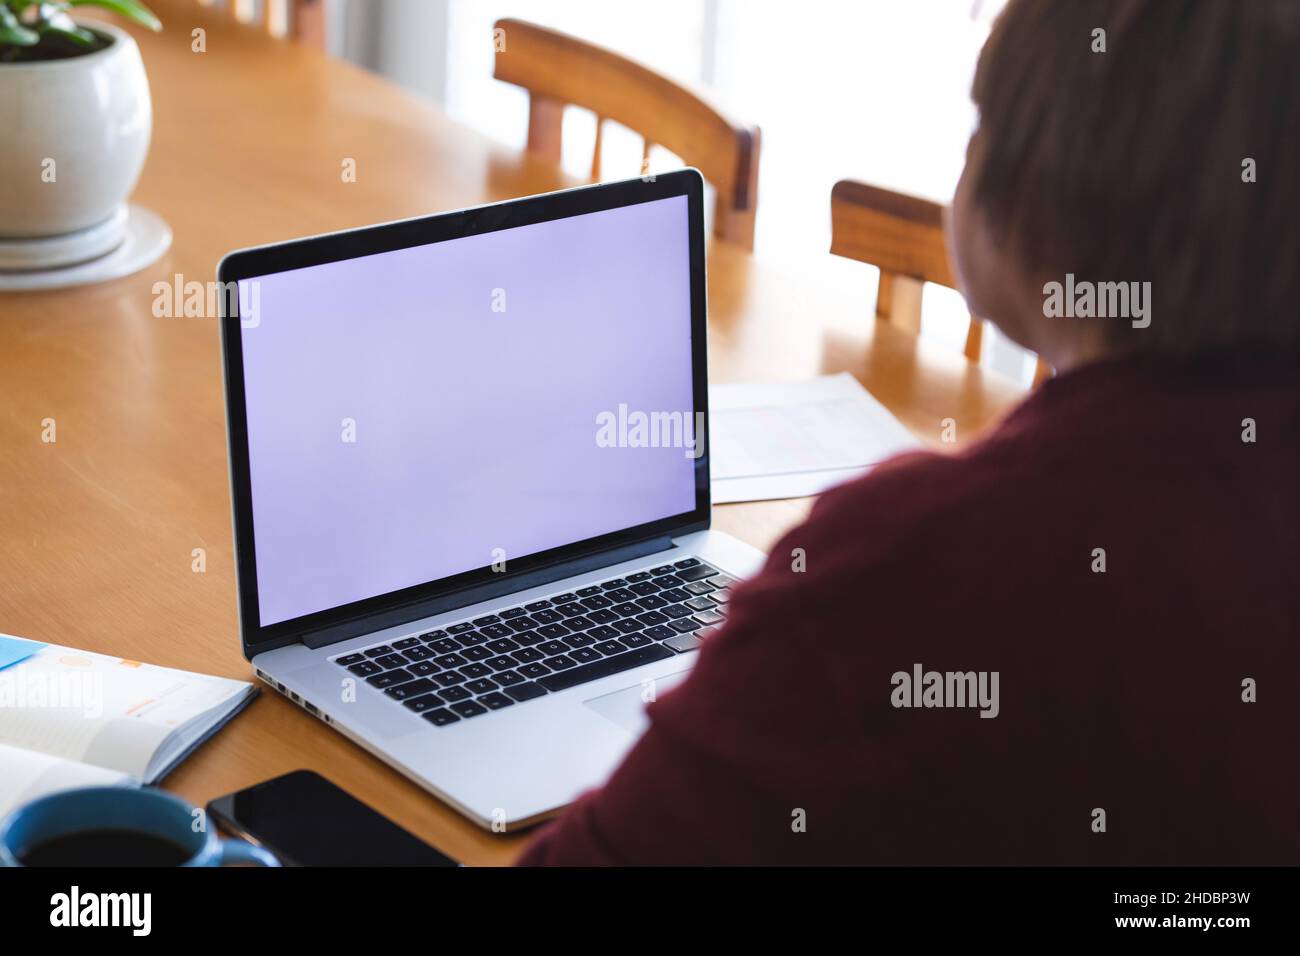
(71, 718)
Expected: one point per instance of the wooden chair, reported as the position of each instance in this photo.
(903, 237)
(557, 69)
(302, 20)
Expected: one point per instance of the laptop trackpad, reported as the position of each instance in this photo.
(626, 707)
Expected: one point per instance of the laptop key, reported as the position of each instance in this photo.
(528, 655)
(675, 595)
(612, 584)
(564, 598)
(683, 643)
(421, 704)
(695, 574)
(448, 678)
(454, 693)
(652, 603)
(450, 660)
(440, 717)
(561, 662)
(552, 631)
(603, 668)
(638, 577)
(724, 580)
(619, 595)
(547, 617)
(687, 563)
(588, 591)
(572, 609)
(579, 640)
(348, 659)
(659, 632)
(628, 625)
(365, 668)
(495, 701)
(520, 624)
(389, 661)
(699, 587)
(496, 631)
(579, 623)
(721, 595)
(662, 569)
(502, 645)
(676, 611)
(476, 654)
(551, 648)
(476, 670)
(430, 636)
(650, 618)
(538, 606)
(471, 638)
(514, 612)
(602, 616)
(627, 609)
(487, 619)
(710, 617)
(602, 633)
(389, 679)
(669, 581)
(418, 653)
(461, 628)
(609, 648)
(699, 604)
(685, 625)
(526, 691)
(406, 642)
(529, 638)
(535, 670)
(379, 651)
(414, 688)
(423, 669)
(502, 663)
(481, 686)
(636, 640)
(596, 603)
(644, 588)
(507, 678)
(445, 645)
(585, 655)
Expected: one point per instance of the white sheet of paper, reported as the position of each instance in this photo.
(791, 439)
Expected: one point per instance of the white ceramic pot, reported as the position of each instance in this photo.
(76, 132)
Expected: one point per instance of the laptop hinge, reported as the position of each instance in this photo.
(484, 592)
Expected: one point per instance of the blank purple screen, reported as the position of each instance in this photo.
(475, 429)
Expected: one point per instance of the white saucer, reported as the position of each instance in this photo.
(146, 239)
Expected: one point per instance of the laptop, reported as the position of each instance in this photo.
(470, 483)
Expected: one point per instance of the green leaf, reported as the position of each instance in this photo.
(76, 35)
(131, 9)
(13, 33)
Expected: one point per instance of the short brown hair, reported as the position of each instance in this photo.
(1130, 164)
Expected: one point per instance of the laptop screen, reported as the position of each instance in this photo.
(423, 412)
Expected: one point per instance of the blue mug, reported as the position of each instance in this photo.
(150, 814)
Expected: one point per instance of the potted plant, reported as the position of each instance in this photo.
(76, 116)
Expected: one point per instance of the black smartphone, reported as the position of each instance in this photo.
(307, 821)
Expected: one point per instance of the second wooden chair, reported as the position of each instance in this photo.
(903, 237)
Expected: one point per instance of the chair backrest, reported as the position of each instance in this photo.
(903, 237)
(302, 20)
(557, 69)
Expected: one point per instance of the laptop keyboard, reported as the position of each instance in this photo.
(476, 666)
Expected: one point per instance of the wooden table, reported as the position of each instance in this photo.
(97, 529)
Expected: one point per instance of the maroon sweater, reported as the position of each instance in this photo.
(1119, 691)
